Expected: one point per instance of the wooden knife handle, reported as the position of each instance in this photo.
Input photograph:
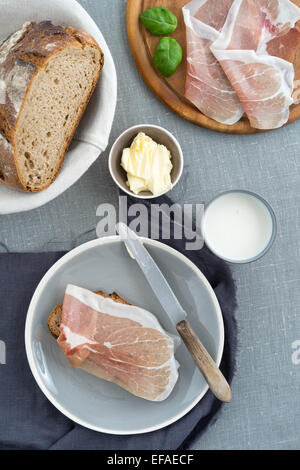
(204, 362)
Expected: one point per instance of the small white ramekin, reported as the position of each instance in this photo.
(159, 135)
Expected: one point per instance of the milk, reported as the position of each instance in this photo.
(238, 226)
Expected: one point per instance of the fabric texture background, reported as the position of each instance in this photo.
(265, 411)
(29, 420)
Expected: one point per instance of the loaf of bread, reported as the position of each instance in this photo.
(49, 74)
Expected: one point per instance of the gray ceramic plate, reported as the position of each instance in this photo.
(105, 264)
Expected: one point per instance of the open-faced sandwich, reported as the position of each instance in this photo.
(115, 341)
(47, 76)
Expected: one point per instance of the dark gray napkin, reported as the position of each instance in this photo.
(29, 421)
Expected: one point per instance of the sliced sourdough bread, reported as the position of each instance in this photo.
(54, 318)
(49, 74)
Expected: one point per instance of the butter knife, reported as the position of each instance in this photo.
(176, 313)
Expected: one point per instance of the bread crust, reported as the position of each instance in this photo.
(54, 318)
(27, 55)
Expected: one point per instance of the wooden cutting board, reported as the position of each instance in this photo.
(171, 90)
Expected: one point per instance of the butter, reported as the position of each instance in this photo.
(148, 166)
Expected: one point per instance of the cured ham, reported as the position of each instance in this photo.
(119, 343)
(256, 48)
(207, 86)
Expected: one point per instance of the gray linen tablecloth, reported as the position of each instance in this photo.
(265, 411)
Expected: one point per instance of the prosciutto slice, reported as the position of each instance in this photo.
(207, 86)
(256, 48)
(119, 343)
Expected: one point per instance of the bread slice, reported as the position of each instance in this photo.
(49, 73)
(120, 344)
(54, 318)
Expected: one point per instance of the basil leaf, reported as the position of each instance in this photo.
(168, 56)
(159, 20)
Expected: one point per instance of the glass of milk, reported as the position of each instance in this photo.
(239, 226)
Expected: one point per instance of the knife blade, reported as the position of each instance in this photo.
(153, 274)
(176, 313)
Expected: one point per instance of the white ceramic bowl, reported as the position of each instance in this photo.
(98, 117)
(159, 135)
(103, 406)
